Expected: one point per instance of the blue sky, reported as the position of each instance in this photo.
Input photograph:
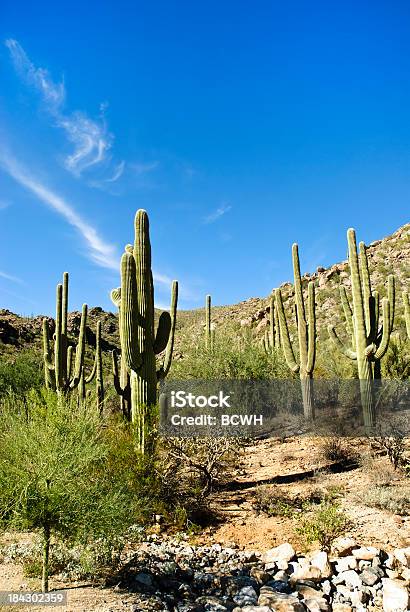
(241, 127)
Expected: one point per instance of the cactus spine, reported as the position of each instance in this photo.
(60, 374)
(306, 335)
(139, 343)
(369, 342)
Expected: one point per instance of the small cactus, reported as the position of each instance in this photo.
(306, 335)
(139, 342)
(369, 341)
(271, 340)
(60, 373)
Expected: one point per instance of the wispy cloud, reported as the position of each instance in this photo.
(99, 251)
(4, 204)
(217, 214)
(90, 137)
(143, 168)
(10, 277)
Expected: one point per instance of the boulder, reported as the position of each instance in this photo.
(395, 595)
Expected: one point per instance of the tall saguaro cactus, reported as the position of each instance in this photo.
(139, 342)
(406, 303)
(306, 327)
(369, 341)
(60, 373)
(95, 374)
(271, 340)
(209, 326)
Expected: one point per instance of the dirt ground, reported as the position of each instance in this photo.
(295, 466)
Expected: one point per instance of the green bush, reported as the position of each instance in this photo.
(22, 372)
(235, 354)
(64, 473)
(326, 523)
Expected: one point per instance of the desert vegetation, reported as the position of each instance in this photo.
(82, 464)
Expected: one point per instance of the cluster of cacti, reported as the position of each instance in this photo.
(64, 367)
(369, 339)
(306, 328)
(271, 339)
(138, 379)
(209, 326)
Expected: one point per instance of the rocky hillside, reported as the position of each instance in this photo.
(386, 256)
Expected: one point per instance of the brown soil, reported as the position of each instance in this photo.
(298, 462)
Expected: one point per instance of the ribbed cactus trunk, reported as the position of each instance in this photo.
(369, 343)
(139, 344)
(60, 374)
(209, 330)
(306, 329)
(406, 304)
(364, 366)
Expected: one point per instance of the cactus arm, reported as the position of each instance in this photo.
(366, 288)
(208, 323)
(311, 356)
(277, 329)
(80, 351)
(170, 345)
(357, 293)
(284, 333)
(115, 373)
(271, 333)
(345, 350)
(116, 296)
(57, 339)
(99, 369)
(386, 330)
(347, 310)
(46, 346)
(70, 359)
(129, 313)
(91, 376)
(391, 294)
(300, 309)
(406, 303)
(374, 313)
(163, 331)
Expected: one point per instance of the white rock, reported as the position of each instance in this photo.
(284, 552)
(350, 578)
(343, 546)
(395, 595)
(366, 553)
(346, 563)
(316, 605)
(403, 556)
(321, 561)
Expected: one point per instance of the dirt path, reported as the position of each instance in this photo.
(294, 467)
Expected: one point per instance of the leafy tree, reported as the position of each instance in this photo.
(65, 473)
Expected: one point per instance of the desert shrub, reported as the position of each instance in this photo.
(395, 499)
(20, 373)
(323, 525)
(236, 354)
(64, 473)
(273, 501)
(392, 440)
(396, 363)
(332, 448)
(190, 469)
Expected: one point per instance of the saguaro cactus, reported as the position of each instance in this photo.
(406, 303)
(271, 339)
(95, 374)
(369, 341)
(209, 326)
(139, 343)
(60, 374)
(306, 335)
